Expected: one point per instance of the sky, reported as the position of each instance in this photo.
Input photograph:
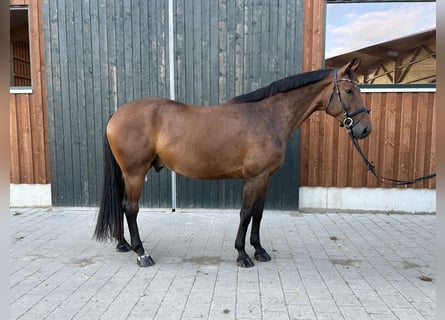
(351, 26)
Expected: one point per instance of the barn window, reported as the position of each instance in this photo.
(396, 41)
(20, 53)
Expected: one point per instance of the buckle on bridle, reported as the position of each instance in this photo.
(347, 123)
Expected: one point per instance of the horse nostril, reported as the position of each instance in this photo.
(366, 131)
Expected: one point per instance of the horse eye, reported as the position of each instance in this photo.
(349, 91)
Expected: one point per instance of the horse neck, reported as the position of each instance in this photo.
(293, 107)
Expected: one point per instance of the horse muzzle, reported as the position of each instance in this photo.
(357, 128)
(360, 131)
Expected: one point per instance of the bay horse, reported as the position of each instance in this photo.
(243, 138)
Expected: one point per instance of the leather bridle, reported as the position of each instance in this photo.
(348, 121)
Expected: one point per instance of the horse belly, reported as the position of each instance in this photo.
(202, 159)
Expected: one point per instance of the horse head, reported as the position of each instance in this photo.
(348, 106)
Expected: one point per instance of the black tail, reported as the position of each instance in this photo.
(110, 220)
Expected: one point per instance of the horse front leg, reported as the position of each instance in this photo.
(254, 192)
(243, 259)
(131, 208)
(257, 215)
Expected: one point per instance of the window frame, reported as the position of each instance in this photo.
(396, 87)
(22, 89)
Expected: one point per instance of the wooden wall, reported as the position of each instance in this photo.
(402, 144)
(29, 153)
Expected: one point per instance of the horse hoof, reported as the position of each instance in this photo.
(245, 262)
(262, 256)
(145, 261)
(123, 247)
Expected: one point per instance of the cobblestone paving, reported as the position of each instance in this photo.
(325, 266)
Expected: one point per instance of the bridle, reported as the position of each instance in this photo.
(348, 121)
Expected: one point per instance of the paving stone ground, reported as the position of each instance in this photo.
(325, 266)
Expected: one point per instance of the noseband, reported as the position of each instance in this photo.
(347, 121)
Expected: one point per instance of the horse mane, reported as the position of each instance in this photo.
(283, 85)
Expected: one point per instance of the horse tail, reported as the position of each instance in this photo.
(110, 220)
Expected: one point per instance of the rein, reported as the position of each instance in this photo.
(382, 179)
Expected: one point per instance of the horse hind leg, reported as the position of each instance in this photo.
(130, 203)
(123, 246)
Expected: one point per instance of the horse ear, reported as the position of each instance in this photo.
(351, 66)
(354, 64)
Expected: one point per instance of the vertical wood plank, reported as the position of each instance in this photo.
(281, 32)
(68, 127)
(230, 46)
(239, 46)
(214, 39)
(37, 105)
(136, 48)
(264, 67)
(308, 31)
(406, 160)
(144, 49)
(367, 145)
(429, 128)
(120, 50)
(112, 55)
(72, 106)
(255, 65)
(304, 151)
(14, 154)
(81, 107)
(205, 52)
(431, 167)
(374, 104)
(397, 131)
(44, 95)
(25, 138)
(222, 65)
(380, 133)
(389, 142)
(313, 34)
(49, 15)
(343, 162)
(312, 151)
(421, 136)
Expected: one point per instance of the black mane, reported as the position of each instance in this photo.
(283, 85)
